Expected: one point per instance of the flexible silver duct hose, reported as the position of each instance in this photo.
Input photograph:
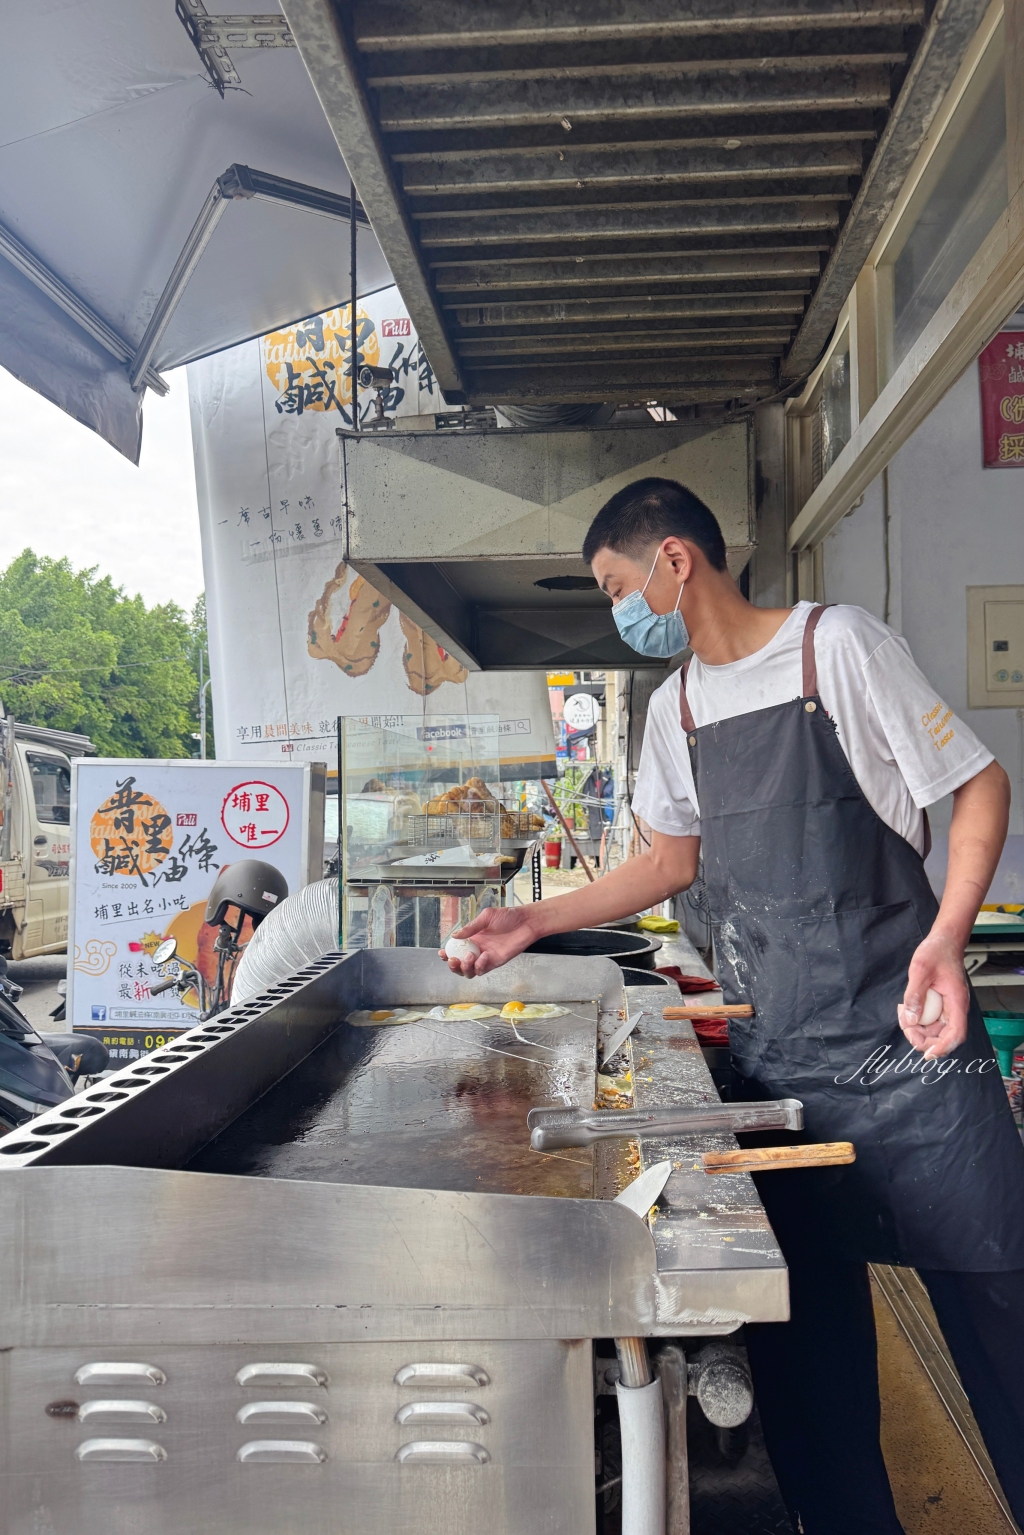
(300, 930)
(553, 416)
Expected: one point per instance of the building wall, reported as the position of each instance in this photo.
(951, 524)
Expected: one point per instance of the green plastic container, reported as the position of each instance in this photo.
(1006, 1031)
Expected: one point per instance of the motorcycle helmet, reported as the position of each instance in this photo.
(256, 888)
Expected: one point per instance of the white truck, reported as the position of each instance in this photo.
(35, 836)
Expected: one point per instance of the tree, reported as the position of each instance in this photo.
(199, 660)
(77, 653)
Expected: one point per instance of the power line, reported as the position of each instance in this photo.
(117, 666)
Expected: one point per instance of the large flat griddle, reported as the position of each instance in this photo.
(291, 1185)
(432, 1104)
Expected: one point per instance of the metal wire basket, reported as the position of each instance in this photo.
(486, 827)
(446, 830)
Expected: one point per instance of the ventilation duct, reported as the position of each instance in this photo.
(556, 417)
(302, 929)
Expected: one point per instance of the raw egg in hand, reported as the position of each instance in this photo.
(461, 948)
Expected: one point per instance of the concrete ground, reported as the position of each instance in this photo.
(39, 977)
(553, 882)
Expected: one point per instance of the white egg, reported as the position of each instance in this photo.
(932, 1010)
(461, 948)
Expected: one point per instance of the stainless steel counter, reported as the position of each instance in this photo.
(271, 1191)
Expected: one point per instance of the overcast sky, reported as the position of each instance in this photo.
(65, 491)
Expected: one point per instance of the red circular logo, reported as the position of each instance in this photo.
(254, 814)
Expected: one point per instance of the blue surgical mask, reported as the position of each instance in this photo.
(650, 633)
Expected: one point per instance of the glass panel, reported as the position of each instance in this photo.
(51, 785)
(835, 405)
(425, 832)
(964, 202)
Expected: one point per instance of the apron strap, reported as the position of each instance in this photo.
(810, 663)
(685, 716)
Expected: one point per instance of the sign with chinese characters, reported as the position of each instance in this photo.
(580, 711)
(149, 838)
(1001, 373)
(296, 636)
(254, 814)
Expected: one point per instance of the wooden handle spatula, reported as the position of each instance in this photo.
(696, 1010)
(766, 1159)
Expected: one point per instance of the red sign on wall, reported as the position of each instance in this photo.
(1001, 373)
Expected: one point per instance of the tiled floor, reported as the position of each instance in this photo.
(935, 1480)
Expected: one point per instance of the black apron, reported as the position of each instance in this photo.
(817, 907)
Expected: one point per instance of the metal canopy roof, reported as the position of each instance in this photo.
(634, 199)
(112, 136)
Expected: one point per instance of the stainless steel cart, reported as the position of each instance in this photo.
(289, 1275)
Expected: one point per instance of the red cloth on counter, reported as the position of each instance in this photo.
(687, 982)
(711, 1031)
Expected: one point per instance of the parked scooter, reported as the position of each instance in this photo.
(251, 889)
(38, 1071)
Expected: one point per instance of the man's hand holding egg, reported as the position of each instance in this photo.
(933, 1013)
(497, 935)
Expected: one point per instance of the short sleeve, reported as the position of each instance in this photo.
(933, 749)
(664, 793)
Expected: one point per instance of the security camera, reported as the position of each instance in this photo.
(375, 378)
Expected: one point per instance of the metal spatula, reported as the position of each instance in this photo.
(646, 1190)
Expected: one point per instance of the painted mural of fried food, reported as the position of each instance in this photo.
(348, 635)
(426, 664)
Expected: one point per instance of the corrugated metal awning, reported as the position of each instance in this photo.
(633, 200)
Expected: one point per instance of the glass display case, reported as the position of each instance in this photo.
(426, 840)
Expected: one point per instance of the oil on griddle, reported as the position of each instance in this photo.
(437, 1105)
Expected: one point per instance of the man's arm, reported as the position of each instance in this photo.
(981, 809)
(502, 933)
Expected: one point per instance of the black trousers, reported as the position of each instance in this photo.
(816, 1382)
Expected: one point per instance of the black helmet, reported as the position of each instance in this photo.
(254, 887)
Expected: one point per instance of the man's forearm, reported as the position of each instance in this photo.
(633, 886)
(981, 810)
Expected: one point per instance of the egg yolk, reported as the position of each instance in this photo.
(514, 1007)
(462, 1007)
(381, 1014)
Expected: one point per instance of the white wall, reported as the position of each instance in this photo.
(952, 525)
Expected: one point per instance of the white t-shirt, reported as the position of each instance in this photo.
(906, 748)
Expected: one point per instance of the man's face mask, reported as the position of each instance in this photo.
(650, 633)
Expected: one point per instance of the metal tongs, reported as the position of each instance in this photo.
(554, 1128)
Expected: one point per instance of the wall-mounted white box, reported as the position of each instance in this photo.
(995, 647)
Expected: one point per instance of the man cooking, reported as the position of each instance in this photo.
(797, 752)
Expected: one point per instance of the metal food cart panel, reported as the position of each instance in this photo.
(523, 1461)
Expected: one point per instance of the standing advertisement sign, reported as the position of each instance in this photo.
(1001, 374)
(296, 636)
(149, 838)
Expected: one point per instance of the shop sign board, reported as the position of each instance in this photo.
(1001, 374)
(581, 711)
(296, 635)
(148, 839)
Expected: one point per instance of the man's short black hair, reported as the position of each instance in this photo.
(649, 511)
